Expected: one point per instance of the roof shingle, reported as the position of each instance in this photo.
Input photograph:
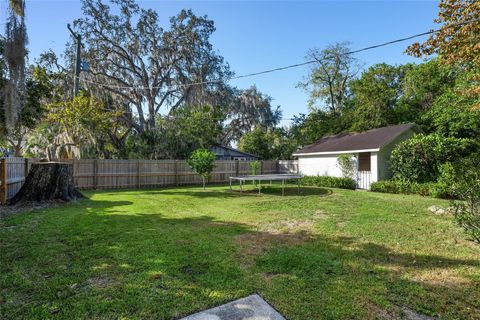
(371, 139)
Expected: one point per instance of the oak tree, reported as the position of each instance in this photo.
(150, 68)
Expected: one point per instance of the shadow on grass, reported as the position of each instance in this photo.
(289, 191)
(149, 266)
(249, 190)
(105, 206)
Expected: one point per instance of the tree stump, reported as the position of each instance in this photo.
(48, 181)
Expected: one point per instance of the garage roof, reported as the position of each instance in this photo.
(367, 140)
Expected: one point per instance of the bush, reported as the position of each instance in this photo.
(255, 167)
(428, 189)
(387, 186)
(202, 161)
(463, 178)
(329, 182)
(394, 186)
(420, 158)
(441, 190)
(347, 165)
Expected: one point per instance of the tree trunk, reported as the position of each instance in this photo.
(48, 181)
(17, 151)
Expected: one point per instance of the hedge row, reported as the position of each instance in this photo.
(329, 182)
(420, 158)
(430, 189)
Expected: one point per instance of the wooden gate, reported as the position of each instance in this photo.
(364, 179)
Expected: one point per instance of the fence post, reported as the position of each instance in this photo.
(73, 169)
(95, 174)
(25, 168)
(261, 166)
(237, 169)
(3, 177)
(176, 172)
(277, 166)
(138, 174)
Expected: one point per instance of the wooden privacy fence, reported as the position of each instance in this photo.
(13, 171)
(10, 177)
(109, 174)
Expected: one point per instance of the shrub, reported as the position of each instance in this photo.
(428, 189)
(420, 158)
(329, 182)
(463, 177)
(387, 186)
(347, 165)
(255, 167)
(441, 190)
(394, 186)
(202, 161)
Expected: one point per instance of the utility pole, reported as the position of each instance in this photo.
(76, 80)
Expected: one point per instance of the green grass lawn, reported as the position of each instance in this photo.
(162, 254)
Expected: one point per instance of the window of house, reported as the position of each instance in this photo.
(239, 158)
(364, 161)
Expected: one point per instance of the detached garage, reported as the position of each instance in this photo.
(371, 150)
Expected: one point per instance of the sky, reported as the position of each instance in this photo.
(257, 35)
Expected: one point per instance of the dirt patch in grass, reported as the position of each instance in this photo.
(320, 215)
(377, 312)
(341, 224)
(270, 276)
(100, 282)
(410, 314)
(397, 313)
(291, 226)
(251, 245)
(440, 277)
(281, 232)
(25, 207)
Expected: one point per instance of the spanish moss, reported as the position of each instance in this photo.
(15, 56)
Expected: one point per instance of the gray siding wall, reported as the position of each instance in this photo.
(228, 154)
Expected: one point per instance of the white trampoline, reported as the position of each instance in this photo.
(266, 177)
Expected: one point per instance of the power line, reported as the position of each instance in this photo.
(359, 50)
(288, 66)
(136, 113)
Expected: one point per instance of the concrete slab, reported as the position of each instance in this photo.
(249, 308)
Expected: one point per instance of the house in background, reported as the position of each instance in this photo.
(371, 149)
(226, 153)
